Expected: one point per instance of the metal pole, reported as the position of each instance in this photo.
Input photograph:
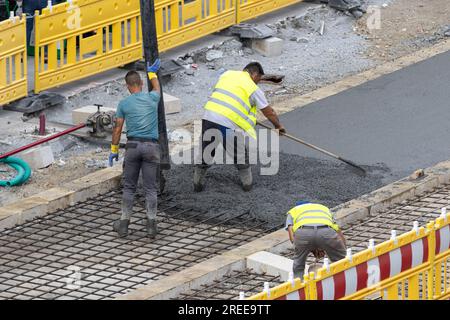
(42, 124)
(36, 143)
(151, 53)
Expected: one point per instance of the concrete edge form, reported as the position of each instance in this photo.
(213, 269)
(270, 264)
(371, 203)
(207, 271)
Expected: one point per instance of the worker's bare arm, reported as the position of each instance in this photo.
(155, 85)
(272, 116)
(291, 234)
(117, 131)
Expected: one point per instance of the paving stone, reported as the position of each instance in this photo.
(38, 158)
(80, 115)
(171, 104)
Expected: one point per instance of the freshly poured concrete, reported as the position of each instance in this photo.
(298, 178)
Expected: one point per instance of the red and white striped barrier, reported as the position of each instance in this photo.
(373, 271)
(295, 295)
(442, 239)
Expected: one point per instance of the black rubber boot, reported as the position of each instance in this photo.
(199, 179)
(152, 229)
(246, 179)
(121, 227)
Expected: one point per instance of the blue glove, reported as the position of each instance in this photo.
(113, 156)
(154, 67)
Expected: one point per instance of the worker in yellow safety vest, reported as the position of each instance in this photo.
(312, 228)
(230, 118)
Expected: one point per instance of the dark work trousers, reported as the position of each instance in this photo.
(140, 157)
(29, 8)
(309, 239)
(232, 141)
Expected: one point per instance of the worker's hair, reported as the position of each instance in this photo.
(133, 79)
(254, 67)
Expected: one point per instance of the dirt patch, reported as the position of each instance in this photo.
(406, 26)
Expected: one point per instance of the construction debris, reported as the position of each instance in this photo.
(168, 67)
(212, 55)
(322, 28)
(34, 104)
(252, 31)
(353, 7)
(446, 31)
(420, 173)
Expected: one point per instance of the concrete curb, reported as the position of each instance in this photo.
(276, 242)
(378, 200)
(61, 197)
(209, 270)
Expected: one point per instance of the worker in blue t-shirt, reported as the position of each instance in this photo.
(140, 112)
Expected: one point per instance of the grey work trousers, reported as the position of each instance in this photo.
(140, 157)
(309, 239)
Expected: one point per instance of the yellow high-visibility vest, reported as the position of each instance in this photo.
(312, 214)
(231, 99)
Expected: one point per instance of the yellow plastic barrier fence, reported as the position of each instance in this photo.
(178, 22)
(249, 9)
(413, 266)
(85, 37)
(441, 259)
(13, 60)
(295, 290)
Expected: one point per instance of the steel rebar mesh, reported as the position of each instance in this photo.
(74, 254)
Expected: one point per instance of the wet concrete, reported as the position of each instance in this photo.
(392, 126)
(298, 178)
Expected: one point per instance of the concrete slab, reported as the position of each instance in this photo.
(171, 104)
(80, 115)
(270, 47)
(38, 158)
(271, 264)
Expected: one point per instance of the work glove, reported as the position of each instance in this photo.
(114, 154)
(155, 66)
(281, 130)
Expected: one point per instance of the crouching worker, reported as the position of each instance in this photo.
(312, 228)
(140, 111)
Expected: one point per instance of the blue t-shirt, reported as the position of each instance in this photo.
(140, 111)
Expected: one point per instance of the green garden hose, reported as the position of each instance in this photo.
(23, 172)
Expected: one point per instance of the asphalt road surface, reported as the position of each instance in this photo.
(401, 120)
